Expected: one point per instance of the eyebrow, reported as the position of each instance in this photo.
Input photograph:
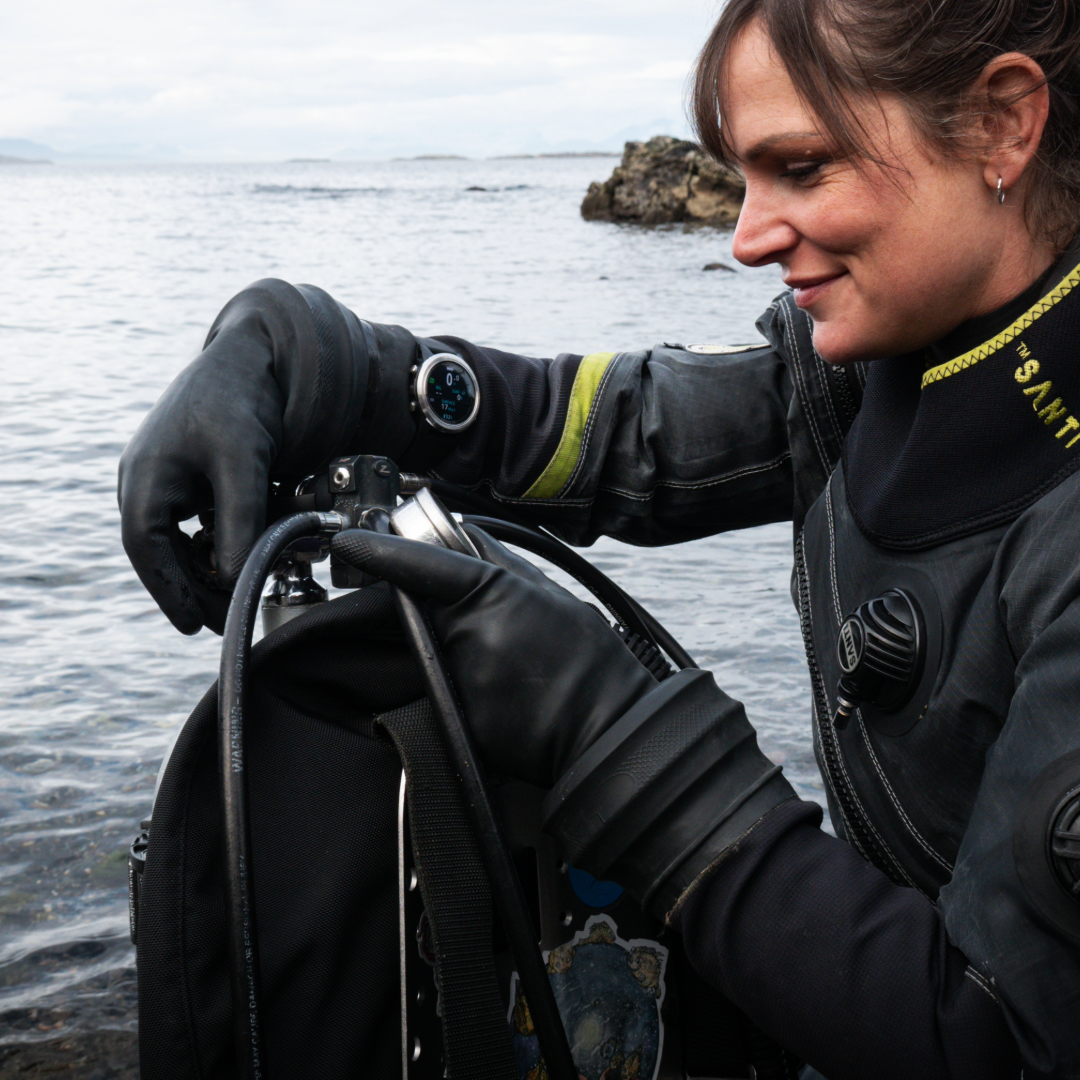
(773, 141)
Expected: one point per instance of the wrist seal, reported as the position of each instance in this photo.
(665, 790)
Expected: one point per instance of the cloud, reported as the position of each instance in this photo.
(240, 80)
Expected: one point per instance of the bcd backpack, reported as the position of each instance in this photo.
(379, 952)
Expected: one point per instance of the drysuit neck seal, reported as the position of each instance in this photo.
(941, 452)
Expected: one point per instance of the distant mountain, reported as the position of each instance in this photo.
(25, 150)
(564, 154)
(530, 144)
(28, 150)
(5, 159)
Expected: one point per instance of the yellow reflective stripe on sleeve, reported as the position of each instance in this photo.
(988, 348)
(561, 467)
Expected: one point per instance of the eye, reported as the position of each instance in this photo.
(803, 171)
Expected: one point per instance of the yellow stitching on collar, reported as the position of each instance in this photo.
(988, 348)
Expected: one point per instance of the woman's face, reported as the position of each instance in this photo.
(883, 260)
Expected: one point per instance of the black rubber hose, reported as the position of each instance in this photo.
(235, 653)
(661, 635)
(505, 885)
(620, 603)
(461, 499)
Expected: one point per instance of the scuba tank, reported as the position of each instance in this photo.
(316, 893)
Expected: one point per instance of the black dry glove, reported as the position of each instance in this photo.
(540, 675)
(286, 379)
(652, 782)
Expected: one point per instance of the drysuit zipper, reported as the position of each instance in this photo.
(858, 829)
(841, 379)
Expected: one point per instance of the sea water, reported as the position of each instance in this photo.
(111, 276)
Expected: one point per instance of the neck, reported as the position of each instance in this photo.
(1014, 264)
(977, 329)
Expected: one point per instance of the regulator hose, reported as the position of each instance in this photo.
(505, 885)
(463, 499)
(235, 653)
(620, 603)
(506, 888)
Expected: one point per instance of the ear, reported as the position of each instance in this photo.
(1016, 103)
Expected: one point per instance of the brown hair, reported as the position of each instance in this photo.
(930, 52)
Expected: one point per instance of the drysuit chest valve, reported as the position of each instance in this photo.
(881, 649)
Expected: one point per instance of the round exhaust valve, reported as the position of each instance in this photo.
(1063, 842)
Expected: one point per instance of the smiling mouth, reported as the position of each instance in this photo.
(809, 290)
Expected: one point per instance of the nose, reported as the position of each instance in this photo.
(763, 234)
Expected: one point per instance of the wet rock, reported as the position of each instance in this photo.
(666, 180)
(89, 1055)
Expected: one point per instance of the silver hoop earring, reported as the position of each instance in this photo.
(1000, 193)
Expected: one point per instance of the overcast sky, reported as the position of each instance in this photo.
(237, 80)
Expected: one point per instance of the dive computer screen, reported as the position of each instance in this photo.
(447, 392)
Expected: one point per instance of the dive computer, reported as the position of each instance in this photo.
(446, 392)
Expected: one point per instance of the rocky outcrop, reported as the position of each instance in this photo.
(665, 180)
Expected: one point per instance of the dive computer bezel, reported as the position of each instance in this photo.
(420, 395)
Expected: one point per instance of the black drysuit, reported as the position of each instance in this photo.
(933, 938)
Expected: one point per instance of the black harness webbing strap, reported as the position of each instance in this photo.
(457, 898)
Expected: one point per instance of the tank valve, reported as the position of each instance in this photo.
(293, 591)
(881, 648)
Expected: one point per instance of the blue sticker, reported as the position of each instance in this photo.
(595, 893)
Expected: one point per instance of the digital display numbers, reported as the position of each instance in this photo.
(450, 392)
(447, 392)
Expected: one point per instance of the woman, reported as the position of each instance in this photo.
(916, 172)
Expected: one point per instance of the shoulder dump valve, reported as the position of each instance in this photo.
(1046, 843)
(1064, 843)
(881, 648)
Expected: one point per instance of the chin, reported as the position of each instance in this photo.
(839, 344)
(836, 347)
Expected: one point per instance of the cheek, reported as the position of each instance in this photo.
(907, 262)
(856, 219)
